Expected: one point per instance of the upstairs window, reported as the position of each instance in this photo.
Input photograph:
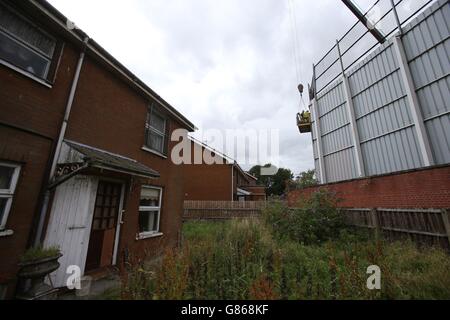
(156, 132)
(25, 46)
(9, 175)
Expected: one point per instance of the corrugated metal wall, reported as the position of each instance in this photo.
(427, 47)
(387, 132)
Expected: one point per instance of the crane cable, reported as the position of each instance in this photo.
(296, 50)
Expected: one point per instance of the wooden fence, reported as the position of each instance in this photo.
(423, 226)
(220, 210)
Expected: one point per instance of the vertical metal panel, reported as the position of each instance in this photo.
(315, 151)
(388, 119)
(331, 98)
(317, 166)
(341, 166)
(439, 132)
(434, 98)
(337, 140)
(334, 120)
(427, 46)
(383, 115)
(336, 134)
(314, 112)
(413, 103)
(395, 152)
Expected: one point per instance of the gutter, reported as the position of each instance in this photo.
(62, 133)
(78, 35)
(69, 105)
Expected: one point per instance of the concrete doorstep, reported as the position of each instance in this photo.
(103, 288)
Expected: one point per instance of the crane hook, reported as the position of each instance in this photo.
(300, 89)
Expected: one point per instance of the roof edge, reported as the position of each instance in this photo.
(79, 36)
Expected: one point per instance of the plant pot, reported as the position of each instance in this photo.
(36, 271)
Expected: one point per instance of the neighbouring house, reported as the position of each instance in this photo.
(223, 180)
(84, 148)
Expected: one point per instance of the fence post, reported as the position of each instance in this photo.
(316, 117)
(446, 218)
(318, 134)
(413, 101)
(375, 222)
(397, 19)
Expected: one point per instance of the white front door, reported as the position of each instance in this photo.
(70, 224)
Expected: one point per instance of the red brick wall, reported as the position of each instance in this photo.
(258, 193)
(24, 103)
(108, 115)
(203, 182)
(32, 154)
(428, 188)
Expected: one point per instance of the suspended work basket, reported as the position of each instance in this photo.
(304, 122)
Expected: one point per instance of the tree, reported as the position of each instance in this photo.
(306, 179)
(276, 184)
(280, 182)
(262, 180)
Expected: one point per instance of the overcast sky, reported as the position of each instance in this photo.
(223, 64)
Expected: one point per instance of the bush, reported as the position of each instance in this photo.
(315, 221)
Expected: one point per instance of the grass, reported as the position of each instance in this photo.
(110, 294)
(247, 259)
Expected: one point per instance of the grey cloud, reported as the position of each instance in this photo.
(224, 64)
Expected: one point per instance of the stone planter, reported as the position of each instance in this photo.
(35, 273)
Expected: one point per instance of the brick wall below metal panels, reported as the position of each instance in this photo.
(427, 188)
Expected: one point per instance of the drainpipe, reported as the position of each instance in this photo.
(232, 182)
(62, 133)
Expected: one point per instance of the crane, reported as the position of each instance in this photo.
(363, 19)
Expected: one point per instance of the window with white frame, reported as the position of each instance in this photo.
(149, 210)
(9, 175)
(156, 132)
(24, 45)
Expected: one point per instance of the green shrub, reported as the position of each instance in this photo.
(314, 221)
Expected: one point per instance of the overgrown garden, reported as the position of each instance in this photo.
(306, 253)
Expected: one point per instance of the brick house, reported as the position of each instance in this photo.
(84, 148)
(224, 180)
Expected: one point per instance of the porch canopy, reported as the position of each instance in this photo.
(242, 192)
(76, 157)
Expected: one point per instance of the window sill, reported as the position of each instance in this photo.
(154, 152)
(26, 74)
(149, 235)
(6, 233)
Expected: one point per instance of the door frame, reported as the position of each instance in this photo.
(120, 213)
(119, 224)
